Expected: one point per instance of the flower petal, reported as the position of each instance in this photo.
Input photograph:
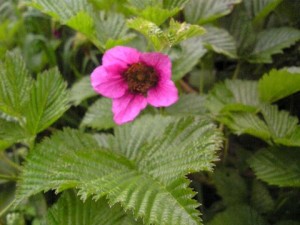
(127, 107)
(160, 62)
(164, 94)
(108, 81)
(121, 55)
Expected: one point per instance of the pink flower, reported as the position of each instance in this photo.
(134, 79)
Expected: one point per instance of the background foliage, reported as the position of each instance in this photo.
(228, 152)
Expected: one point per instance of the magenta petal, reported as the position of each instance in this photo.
(164, 94)
(127, 107)
(121, 55)
(160, 62)
(108, 81)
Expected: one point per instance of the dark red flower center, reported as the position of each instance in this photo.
(140, 78)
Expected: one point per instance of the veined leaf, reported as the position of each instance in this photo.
(273, 41)
(71, 210)
(278, 84)
(15, 83)
(204, 11)
(99, 115)
(48, 101)
(279, 167)
(81, 90)
(171, 4)
(261, 8)
(192, 51)
(220, 41)
(143, 170)
(237, 215)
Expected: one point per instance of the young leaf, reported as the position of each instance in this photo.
(267, 45)
(99, 115)
(15, 83)
(203, 11)
(143, 170)
(237, 215)
(71, 210)
(278, 84)
(220, 41)
(48, 101)
(279, 167)
(188, 58)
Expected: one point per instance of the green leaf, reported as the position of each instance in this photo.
(203, 11)
(189, 104)
(261, 8)
(279, 167)
(191, 51)
(48, 101)
(230, 186)
(81, 90)
(144, 169)
(71, 210)
(171, 4)
(273, 41)
(99, 115)
(237, 215)
(278, 84)
(220, 41)
(15, 83)
(261, 198)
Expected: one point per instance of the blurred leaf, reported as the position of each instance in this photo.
(278, 84)
(7, 194)
(99, 115)
(81, 90)
(144, 173)
(261, 198)
(261, 8)
(71, 210)
(171, 4)
(273, 41)
(191, 51)
(230, 186)
(48, 101)
(204, 11)
(279, 167)
(220, 41)
(188, 104)
(237, 215)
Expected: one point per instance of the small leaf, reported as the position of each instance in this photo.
(204, 11)
(81, 90)
(273, 41)
(99, 115)
(278, 84)
(48, 101)
(71, 210)
(279, 167)
(187, 59)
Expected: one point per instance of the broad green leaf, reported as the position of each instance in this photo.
(261, 198)
(204, 11)
(237, 215)
(144, 169)
(81, 90)
(144, 4)
(246, 123)
(191, 51)
(171, 4)
(15, 83)
(230, 186)
(99, 115)
(220, 41)
(279, 167)
(71, 210)
(273, 41)
(189, 104)
(48, 101)
(278, 84)
(151, 31)
(261, 8)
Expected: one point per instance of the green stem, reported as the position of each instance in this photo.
(9, 162)
(7, 177)
(237, 70)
